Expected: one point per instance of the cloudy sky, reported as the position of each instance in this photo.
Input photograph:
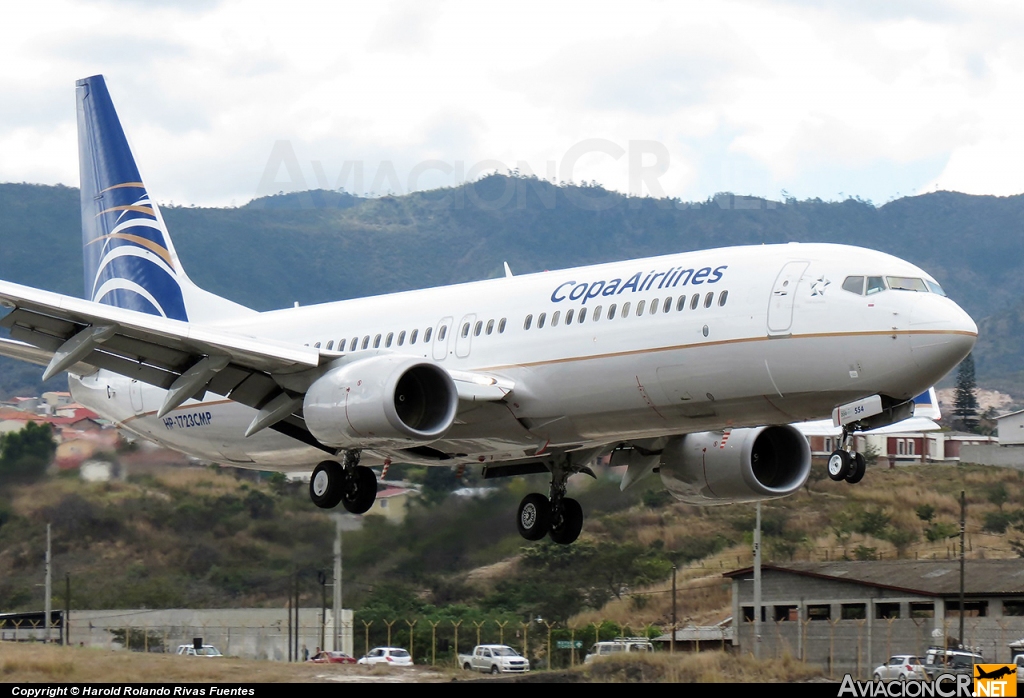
(224, 101)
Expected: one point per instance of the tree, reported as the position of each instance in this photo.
(27, 453)
(965, 406)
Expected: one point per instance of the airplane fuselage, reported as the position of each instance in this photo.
(698, 341)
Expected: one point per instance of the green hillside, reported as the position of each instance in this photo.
(320, 246)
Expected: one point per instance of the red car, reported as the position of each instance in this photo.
(332, 658)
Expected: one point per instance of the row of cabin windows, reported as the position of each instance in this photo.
(412, 337)
(479, 328)
(657, 304)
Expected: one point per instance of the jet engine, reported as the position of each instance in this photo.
(384, 400)
(744, 465)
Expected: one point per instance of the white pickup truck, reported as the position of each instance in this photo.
(494, 659)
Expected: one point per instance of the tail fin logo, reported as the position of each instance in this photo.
(129, 260)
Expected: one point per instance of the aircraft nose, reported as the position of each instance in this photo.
(941, 333)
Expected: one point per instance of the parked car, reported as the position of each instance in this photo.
(619, 644)
(943, 661)
(494, 659)
(326, 657)
(387, 655)
(901, 667)
(204, 651)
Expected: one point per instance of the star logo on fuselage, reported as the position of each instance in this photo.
(819, 286)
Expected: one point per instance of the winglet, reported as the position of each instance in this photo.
(508, 271)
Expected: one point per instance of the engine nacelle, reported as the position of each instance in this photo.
(384, 400)
(747, 466)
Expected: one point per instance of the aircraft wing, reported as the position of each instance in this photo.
(61, 333)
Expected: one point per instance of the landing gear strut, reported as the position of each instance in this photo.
(846, 464)
(351, 484)
(559, 516)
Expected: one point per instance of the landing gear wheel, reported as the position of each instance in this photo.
(327, 484)
(360, 490)
(568, 523)
(857, 469)
(534, 518)
(839, 465)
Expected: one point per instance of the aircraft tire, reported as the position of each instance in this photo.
(570, 523)
(327, 484)
(839, 465)
(857, 469)
(534, 516)
(361, 492)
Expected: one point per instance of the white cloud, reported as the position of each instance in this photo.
(812, 97)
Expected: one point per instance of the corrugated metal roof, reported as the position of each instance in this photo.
(926, 577)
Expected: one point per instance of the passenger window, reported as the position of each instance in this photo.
(426, 334)
(708, 299)
(317, 345)
(597, 313)
(528, 322)
(640, 308)
(611, 311)
(583, 315)
(390, 337)
(330, 345)
(341, 345)
(401, 338)
(478, 328)
(554, 318)
(668, 305)
(875, 285)
(412, 337)
(501, 326)
(442, 333)
(465, 330)
(722, 298)
(682, 302)
(540, 321)
(654, 306)
(854, 284)
(694, 301)
(366, 341)
(355, 344)
(490, 326)
(625, 310)
(376, 342)
(568, 316)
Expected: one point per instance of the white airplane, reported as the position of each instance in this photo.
(690, 364)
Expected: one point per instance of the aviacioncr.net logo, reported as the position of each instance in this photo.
(944, 686)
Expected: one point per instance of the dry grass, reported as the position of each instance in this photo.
(704, 667)
(24, 663)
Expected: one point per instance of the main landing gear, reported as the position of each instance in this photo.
(844, 464)
(559, 516)
(351, 484)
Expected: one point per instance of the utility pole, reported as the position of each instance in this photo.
(67, 610)
(672, 647)
(337, 583)
(757, 584)
(963, 528)
(48, 601)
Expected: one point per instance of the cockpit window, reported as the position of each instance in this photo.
(906, 283)
(875, 284)
(934, 287)
(854, 284)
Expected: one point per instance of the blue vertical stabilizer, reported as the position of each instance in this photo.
(129, 260)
